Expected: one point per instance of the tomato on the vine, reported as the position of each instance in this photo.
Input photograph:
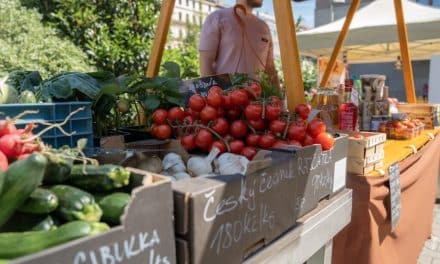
(176, 114)
(221, 112)
(236, 146)
(326, 140)
(249, 152)
(295, 132)
(303, 110)
(153, 130)
(258, 125)
(267, 141)
(280, 144)
(273, 112)
(189, 120)
(238, 129)
(221, 126)
(216, 89)
(294, 143)
(308, 140)
(233, 114)
(215, 99)
(196, 102)
(188, 142)
(253, 111)
(252, 140)
(208, 113)
(220, 145)
(227, 103)
(204, 139)
(162, 132)
(275, 100)
(239, 97)
(160, 116)
(277, 127)
(316, 127)
(190, 112)
(256, 90)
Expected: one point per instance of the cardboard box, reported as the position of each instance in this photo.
(146, 234)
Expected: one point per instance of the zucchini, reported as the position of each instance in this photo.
(2, 181)
(41, 201)
(46, 225)
(76, 204)
(13, 245)
(113, 206)
(21, 222)
(22, 178)
(58, 169)
(99, 178)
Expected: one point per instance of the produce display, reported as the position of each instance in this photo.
(239, 121)
(52, 196)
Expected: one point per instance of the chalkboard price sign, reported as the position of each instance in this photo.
(395, 205)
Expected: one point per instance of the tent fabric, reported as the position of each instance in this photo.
(373, 33)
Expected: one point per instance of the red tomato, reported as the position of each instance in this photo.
(221, 112)
(296, 132)
(160, 116)
(256, 90)
(153, 130)
(258, 125)
(275, 100)
(196, 102)
(228, 137)
(294, 143)
(220, 145)
(267, 141)
(236, 146)
(253, 111)
(204, 139)
(190, 112)
(308, 140)
(176, 114)
(272, 112)
(238, 129)
(277, 127)
(249, 152)
(208, 113)
(252, 140)
(316, 127)
(162, 132)
(239, 97)
(280, 144)
(221, 126)
(227, 103)
(215, 99)
(303, 110)
(216, 89)
(326, 140)
(233, 114)
(188, 120)
(188, 142)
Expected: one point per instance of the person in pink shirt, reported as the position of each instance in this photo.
(234, 40)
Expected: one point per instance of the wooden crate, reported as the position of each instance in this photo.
(365, 154)
(429, 114)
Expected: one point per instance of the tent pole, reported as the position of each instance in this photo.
(160, 38)
(290, 58)
(404, 52)
(339, 42)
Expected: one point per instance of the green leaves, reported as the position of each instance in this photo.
(151, 102)
(172, 69)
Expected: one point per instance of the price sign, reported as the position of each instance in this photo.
(395, 205)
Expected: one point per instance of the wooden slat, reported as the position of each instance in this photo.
(405, 54)
(290, 58)
(339, 42)
(160, 39)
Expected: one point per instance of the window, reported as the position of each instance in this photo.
(200, 6)
(187, 2)
(180, 2)
(194, 4)
(180, 33)
(194, 20)
(180, 16)
(187, 18)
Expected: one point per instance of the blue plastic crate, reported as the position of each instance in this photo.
(80, 123)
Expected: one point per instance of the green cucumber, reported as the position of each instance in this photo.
(46, 225)
(22, 178)
(41, 201)
(58, 169)
(76, 204)
(13, 245)
(99, 178)
(113, 206)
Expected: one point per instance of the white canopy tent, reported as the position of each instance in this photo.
(373, 37)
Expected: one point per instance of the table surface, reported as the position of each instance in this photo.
(312, 233)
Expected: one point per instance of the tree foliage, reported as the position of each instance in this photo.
(116, 34)
(25, 43)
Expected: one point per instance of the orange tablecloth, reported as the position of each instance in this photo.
(368, 238)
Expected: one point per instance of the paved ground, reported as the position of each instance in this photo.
(431, 252)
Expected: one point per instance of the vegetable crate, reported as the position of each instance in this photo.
(145, 234)
(80, 124)
(365, 152)
(429, 114)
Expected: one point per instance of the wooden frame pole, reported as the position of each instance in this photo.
(290, 58)
(405, 54)
(166, 11)
(339, 42)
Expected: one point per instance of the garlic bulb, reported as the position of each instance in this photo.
(229, 163)
(181, 176)
(198, 166)
(173, 163)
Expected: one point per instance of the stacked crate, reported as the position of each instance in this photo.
(427, 113)
(374, 99)
(365, 152)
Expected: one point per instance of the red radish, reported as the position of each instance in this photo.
(7, 127)
(220, 145)
(11, 145)
(3, 162)
(249, 152)
(236, 146)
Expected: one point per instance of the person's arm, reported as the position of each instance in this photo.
(270, 68)
(209, 43)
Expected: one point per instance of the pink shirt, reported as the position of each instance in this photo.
(238, 51)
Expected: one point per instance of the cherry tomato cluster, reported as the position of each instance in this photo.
(238, 121)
